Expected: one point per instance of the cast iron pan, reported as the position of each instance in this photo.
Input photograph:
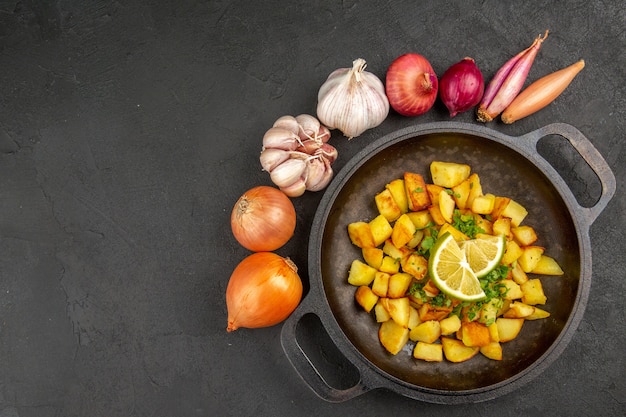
(508, 166)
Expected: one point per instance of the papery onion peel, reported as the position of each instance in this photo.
(263, 290)
(263, 219)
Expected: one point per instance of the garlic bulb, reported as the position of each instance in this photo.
(296, 154)
(352, 100)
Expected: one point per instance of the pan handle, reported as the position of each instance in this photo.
(589, 153)
(305, 366)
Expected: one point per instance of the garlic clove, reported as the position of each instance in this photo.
(280, 138)
(323, 134)
(288, 122)
(352, 100)
(296, 189)
(315, 172)
(325, 178)
(309, 146)
(309, 126)
(299, 155)
(288, 172)
(271, 157)
(328, 151)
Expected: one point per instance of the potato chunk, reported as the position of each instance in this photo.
(427, 331)
(511, 290)
(366, 298)
(547, 266)
(511, 253)
(506, 207)
(373, 256)
(403, 231)
(380, 312)
(476, 190)
(530, 257)
(393, 336)
(380, 285)
(475, 334)
(493, 350)
(387, 206)
(399, 310)
(483, 204)
(446, 206)
(461, 193)
(537, 314)
(421, 219)
(436, 215)
(502, 226)
(396, 188)
(450, 325)
(430, 312)
(429, 352)
(508, 328)
(361, 273)
(533, 292)
(361, 235)
(519, 310)
(389, 265)
(416, 265)
(399, 284)
(455, 351)
(381, 229)
(417, 195)
(525, 235)
(448, 174)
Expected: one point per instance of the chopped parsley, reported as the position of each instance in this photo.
(494, 290)
(416, 290)
(441, 300)
(428, 242)
(466, 223)
(452, 193)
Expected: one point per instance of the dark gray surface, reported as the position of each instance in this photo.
(129, 129)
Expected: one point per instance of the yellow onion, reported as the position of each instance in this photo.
(263, 219)
(263, 290)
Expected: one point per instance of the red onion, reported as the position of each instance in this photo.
(411, 85)
(462, 86)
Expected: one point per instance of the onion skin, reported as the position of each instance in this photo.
(411, 85)
(263, 219)
(541, 93)
(508, 82)
(461, 87)
(263, 290)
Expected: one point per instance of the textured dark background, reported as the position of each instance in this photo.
(129, 129)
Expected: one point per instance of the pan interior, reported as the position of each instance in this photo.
(502, 171)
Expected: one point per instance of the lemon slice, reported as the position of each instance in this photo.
(483, 253)
(451, 272)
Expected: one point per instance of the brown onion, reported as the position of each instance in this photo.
(263, 290)
(461, 87)
(263, 219)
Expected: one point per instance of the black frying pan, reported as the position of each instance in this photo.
(508, 166)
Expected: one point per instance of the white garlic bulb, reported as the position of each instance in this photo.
(352, 100)
(296, 154)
